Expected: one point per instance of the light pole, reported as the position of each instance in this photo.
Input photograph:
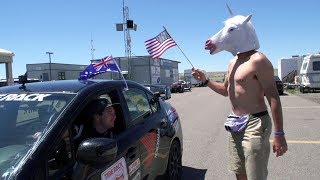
(50, 64)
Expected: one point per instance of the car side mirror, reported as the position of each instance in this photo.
(155, 98)
(97, 151)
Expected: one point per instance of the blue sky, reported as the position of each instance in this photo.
(31, 28)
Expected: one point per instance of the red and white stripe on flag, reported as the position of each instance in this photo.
(159, 44)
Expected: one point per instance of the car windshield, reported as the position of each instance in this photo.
(24, 118)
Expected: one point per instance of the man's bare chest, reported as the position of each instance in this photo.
(242, 74)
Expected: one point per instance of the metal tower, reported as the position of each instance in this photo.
(127, 38)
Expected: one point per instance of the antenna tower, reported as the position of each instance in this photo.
(127, 38)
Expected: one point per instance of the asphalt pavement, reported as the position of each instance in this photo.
(202, 114)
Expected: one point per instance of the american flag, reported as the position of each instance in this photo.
(159, 44)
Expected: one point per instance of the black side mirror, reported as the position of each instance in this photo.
(97, 151)
(157, 95)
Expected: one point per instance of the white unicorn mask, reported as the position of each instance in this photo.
(237, 36)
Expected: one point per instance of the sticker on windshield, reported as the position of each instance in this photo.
(23, 97)
(117, 171)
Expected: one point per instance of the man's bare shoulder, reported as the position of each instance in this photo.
(258, 56)
(259, 59)
(232, 61)
(261, 62)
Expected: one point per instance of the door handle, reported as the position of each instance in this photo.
(131, 153)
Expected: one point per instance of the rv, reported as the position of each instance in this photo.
(310, 73)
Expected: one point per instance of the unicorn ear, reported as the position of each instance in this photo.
(247, 18)
(230, 12)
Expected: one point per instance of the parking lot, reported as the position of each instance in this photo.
(202, 114)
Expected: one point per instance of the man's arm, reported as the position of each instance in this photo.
(265, 75)
(220, 88)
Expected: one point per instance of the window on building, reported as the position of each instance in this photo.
(61, 75)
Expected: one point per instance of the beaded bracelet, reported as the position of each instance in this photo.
(279, 133)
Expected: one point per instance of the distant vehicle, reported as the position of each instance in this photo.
(310, 73)
(164, 90)
(187, 85)
(279, 84)
(42, 123)
(189, 78)
(180, 86)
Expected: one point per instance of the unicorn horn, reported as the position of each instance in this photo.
(231, 13)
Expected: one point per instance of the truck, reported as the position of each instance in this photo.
(310, 73)
(189, 78)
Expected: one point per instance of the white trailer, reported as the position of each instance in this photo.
(310, 73)
(288, 65)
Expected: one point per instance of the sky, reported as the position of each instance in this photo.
(31, 28)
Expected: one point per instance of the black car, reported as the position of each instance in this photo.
(279, 84)
(40, 124)
(164, 90)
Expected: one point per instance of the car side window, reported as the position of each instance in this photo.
(138, 104)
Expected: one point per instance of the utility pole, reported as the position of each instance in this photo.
(50, 64)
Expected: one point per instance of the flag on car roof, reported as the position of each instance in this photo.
(98, 66)
(159, 44)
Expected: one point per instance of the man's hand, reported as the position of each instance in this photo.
(279, 145)
(198, 75)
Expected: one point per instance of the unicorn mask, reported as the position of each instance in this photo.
(237, 36)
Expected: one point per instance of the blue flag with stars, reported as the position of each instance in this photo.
(106, 64)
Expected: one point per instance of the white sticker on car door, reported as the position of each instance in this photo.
(117, 171)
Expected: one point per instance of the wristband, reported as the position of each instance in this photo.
(206, 82)
(279, 133)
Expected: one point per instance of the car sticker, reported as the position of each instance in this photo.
(149, 142)
(23, 97)
(134, 166)
(117, 171)
(137, 176)
(157, 143)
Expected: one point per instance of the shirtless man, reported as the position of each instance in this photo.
(249, 78)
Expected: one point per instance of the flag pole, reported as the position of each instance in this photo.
(179, 47)
(119, 70)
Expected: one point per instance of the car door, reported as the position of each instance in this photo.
(145, 113)
(126, 164)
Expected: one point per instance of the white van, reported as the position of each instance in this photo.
(310, 73)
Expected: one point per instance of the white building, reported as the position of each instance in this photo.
(7, 58)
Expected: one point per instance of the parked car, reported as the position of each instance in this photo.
(180, 86)
(164, 90)
(279, 84)
(39, 127)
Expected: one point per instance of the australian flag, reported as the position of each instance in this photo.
(98, 66)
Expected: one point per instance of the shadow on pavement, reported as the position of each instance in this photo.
(193, 173)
